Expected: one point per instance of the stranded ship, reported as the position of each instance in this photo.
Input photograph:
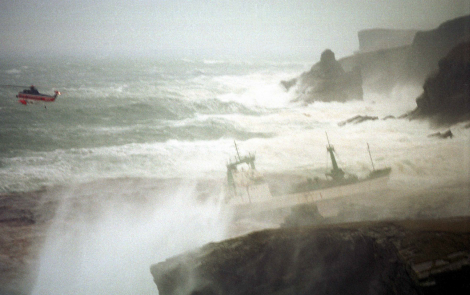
(245, 185)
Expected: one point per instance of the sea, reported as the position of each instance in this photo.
(131, 145)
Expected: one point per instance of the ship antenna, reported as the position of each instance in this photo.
(238, 154)
(373, 168)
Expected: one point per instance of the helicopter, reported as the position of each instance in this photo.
(32, 94)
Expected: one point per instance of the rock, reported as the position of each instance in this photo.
(327, 81)
(446, 94)
(357, 119)
(443, 135)
(287, 262)
(386, 59)
(429, 47)
(387, 67)
(288, 84)
(302, 215)
(400, 257)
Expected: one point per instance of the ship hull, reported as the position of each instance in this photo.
(262, 203)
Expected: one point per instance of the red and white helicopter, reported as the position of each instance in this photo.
(32, 94)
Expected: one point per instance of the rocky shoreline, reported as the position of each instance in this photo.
(383, 242)
(430, 227)
(385, 257)
(24, 219)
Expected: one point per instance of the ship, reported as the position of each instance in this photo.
(336, 177)
(245, 184)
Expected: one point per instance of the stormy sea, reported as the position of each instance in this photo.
(127, 167)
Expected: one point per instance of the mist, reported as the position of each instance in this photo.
(208, 29)
(105, 235)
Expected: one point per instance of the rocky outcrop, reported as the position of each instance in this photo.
(407, 257)
(429, 47)
(327, 81)
(446, 93)
(302, 215)
(386, 58)
(381, 70)
(385, 68)
(379, 39)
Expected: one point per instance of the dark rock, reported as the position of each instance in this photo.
(357, 119)
(287, 262)
(388, 117)
(446, 93)
(288, 84)
(443, 135)
(401, 257)
(302, 215)
(327, 81)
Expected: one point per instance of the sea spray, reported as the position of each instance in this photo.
(106, 234)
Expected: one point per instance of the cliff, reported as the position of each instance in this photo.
(429, 47)
(386, 59)
(379, 39)
(402, 257)
(446, 93)
(381, 70)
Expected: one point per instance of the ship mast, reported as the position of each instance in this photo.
(236, 148)
(232, 166)
(336, 173)
(373, 168)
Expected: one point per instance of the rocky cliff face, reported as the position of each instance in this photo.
(362, 258)
(287, 262)
(386, 58)
(429, 47)
(327, 81)
(380, 39)
(380, 70)
(446, 93)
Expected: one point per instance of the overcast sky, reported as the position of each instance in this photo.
(208, 28)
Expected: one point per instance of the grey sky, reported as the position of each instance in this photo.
(208, 28)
